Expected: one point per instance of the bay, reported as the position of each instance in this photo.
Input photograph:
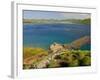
(43, 35)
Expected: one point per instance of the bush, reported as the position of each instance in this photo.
(75, 57)
(86, 61)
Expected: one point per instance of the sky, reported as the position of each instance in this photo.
(31, 14)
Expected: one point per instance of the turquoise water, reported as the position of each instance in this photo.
(43, 35)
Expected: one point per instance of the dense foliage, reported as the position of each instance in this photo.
(72, 58)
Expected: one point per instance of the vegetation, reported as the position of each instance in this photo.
(86, 21)
(72, 58)
(28, 52)
(32, 56)
(67, 58)
(81, 21)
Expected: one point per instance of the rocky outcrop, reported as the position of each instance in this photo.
(73, 45)
(56, 47)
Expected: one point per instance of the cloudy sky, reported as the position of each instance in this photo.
(28, 14)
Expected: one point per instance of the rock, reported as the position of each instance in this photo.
(56, 47)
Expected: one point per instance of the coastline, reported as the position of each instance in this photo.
(68, 56)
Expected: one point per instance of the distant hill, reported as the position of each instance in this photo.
(71, 21)
(81, 21)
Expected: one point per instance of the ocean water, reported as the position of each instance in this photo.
(43, 35)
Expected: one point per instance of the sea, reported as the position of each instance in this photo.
(43, 35)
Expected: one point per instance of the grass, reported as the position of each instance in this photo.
(28, 52)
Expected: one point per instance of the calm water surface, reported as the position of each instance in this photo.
(43, 35)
